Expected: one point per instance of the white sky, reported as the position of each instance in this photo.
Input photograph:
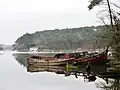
(20, 16)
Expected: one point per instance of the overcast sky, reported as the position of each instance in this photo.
(20, 16)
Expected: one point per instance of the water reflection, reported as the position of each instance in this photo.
(108, 83)
(22, 59)
(66, 70)
(61, 70)
(15, 77)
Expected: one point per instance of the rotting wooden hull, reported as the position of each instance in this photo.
(54, 61)
(49, 62)
(34, 68)
(102, 57)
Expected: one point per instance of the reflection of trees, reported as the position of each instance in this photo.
(113, 84)
(22, 59)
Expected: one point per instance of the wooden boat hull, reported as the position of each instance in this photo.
(102, 57)
(49, 62)
(52, 61)
(34, 68)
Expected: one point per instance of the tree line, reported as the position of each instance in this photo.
(62, 39)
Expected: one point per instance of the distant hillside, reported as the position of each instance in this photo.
(1, 46)
(5, 47)
(61, 39)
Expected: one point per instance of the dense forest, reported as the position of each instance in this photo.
(62, 39)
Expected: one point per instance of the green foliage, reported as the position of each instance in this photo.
(85, 37)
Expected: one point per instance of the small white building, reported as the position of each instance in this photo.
(33, 49)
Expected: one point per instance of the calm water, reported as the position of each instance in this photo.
(14, 76)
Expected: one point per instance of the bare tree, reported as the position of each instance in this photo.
(94, 3)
